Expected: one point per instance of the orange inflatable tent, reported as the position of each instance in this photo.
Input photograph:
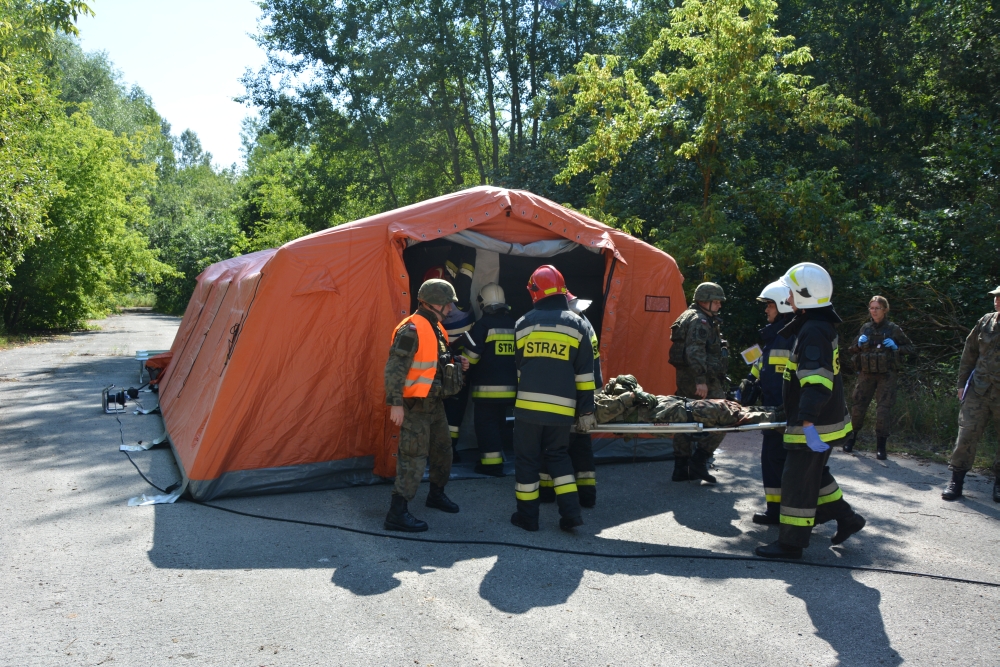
(275, 378)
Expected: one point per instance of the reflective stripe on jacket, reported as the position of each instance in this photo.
(425, 360)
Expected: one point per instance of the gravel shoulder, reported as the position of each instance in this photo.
(90, 581)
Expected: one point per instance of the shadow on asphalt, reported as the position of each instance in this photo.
(68, 429)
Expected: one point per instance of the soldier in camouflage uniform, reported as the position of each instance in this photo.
(416, 382)
(877, 350)
(622, 400)
(979, 391)
(701, 357)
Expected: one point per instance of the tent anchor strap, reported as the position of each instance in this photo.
(630, 429)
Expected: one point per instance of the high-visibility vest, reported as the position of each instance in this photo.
(420, 377)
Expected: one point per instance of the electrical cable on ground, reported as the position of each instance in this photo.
(569, 552)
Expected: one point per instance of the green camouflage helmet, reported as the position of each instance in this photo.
(709, 292)
(437, 292)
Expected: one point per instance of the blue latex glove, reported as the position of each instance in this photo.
(739, 396)
(812, 440)
(862, 339)
(890, 343)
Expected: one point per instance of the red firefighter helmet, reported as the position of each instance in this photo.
(436, 273)
(544, 282)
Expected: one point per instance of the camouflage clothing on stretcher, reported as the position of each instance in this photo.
(621, 400)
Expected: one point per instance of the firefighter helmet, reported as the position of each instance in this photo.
(546, 281)
(777, 293)
(811, 284)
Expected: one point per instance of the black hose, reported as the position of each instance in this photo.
(571, 552)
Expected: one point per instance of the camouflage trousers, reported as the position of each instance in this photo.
(423, 435)
(683, 442)
(881, 386)
(976, 411)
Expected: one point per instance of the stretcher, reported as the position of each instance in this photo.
(688, 427)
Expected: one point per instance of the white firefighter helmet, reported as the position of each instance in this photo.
(492, 295)
(777, 293)
(576, 304)
(811, 285)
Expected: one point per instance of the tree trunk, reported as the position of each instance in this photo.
(469, 129)
(509, 18)
(533, 69)
(486, 48)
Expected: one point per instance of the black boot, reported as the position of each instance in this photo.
(771, 517)
(848, 527)
(491, 469)
(588, 496)
(996, 490)
(880, 448)
(778, 550)
(681, 473)
(698, 466)
(399, 518)
(437, 500)
(526, 516)
(568, 523)
(954, 489)
(849, 442)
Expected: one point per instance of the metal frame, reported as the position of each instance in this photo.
(635, 429)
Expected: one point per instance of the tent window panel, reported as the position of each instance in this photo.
(657, 304)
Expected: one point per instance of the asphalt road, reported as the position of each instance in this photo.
(88, 580)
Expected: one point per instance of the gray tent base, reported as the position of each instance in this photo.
(357, 471)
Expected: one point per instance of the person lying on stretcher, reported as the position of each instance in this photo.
(623, 400)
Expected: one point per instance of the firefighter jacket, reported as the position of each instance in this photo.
(872, 356)
(982, 355)
(697, 346)
(418, 344)
(813, 385)
(768, 371)
(555, 364)
(461, 266)
(493, 372)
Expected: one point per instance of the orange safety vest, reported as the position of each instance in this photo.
(424, 365)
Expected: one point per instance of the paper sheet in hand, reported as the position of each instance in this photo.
(752, 354)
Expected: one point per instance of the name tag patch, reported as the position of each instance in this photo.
(505, 347)
(544, 348)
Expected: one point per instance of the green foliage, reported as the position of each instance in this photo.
(96, 245)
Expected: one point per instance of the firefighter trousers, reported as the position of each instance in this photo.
(809, 495)
(772, 463)
(492, 431)
(533, 445)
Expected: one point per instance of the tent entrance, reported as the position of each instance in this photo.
(582, 268)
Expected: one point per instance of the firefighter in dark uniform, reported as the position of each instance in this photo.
(764, 382)
(419, 373)
(493, 378)
(816, 414)
(701, 357)
(555, 363)
(877, 349)
(581, 447)
(458, 269)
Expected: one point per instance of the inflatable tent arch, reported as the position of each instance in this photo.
(274, 381)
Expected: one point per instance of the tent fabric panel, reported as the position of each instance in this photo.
(320, 476)
(324, 360)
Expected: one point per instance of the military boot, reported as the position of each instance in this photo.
(681, 473)
(954, 489)
(996, 490)
(437, 500)
(698, 466)
(399, 518)
(880, 448)
(849, 442)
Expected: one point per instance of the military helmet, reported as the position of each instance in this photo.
(709, 292)
(437, 292)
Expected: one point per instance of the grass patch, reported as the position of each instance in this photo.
(924, 422)
(135, 300)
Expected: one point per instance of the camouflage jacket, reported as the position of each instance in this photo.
(982, 354)
(610, 407)
(404, 345)
(697, 345)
